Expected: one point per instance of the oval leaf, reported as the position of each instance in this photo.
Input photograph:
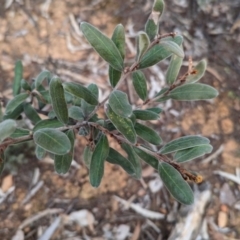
(15, 114)
(192, 153)
(172, 47)
(18, 75)
(20, 132)
(123, 125)
(62, 163)
(87, 156)
(173, 69)
(142, 44)
(103, 46)
(31, 113)
(15, 102)
(197, 72)
(175, 184)
(145, 115)
(47, 123)
(155, 110)
(151, 27)
(58, 100)
(76, 113)
(25, 86)
(118, 39)
(134, 160)
(183, 143)
(7, 127)
(40, 152)
(115, 157)
(114, 76)
(158, 53)
(52, 140)
(193, 92)
(45, 74)
(99, 155)
(118, 101)
(149, 159)
(147, 134)
(140, 84)
(80, 91)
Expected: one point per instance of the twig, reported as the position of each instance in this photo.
(228, 176)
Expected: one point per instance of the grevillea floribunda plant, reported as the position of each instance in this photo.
(74, 110)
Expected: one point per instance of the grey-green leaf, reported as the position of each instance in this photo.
(175, 184)
(149, 159)
(140, 84)
(134, 159)
(99, 155)
(115, 157)
(183, 143)
(18, 75)
(47, 123)
(192, 153)
(151, 27)
(15, 102)
(87, 156)
(193, 92)
(76, 113)
(58, 100)
(156, 110)
(173, 69)
(147, 134)
(7, 127)
(146, 115)
(52, 140)
(31, 113)
(158, 53)
(62, 163)
(45, 74)
(15, 113)
(123, 125)
(197, 72)
(142, 44)
(25, 85)
(118, 39)
(119, 103)
(20, 132)
(114, 76)
(172, 47)
(104, 46)
(40, 152)
(80, 91)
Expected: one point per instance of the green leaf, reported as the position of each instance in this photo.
(183, 143)
(62, 163)
(175, 184)
(193, 92)
(45, 74)
(149, 159)
(123, 125)
(119, 103)
(15, 113)
(52, 140)
(18, 75)
(115, 157)
(140, 84)
(80, 91)
(145, 115)
(31, 113)
(76, 113)
(151, 28)
(161, 92)
(2, 162)
(158, 53)
(143, 43)
(20, 132)
(40, 152)
(58, 100)
(173, 69)
(87, 156)
(86, 107)
(147, 134)
(99, 155)
(155, 110)
(192, 153)
(47, 123)
(114, 76)
(25, 85)
(197, 72)
(172, 47)
(118, 39)
(15, 102)
(158, 6)
(104, 46)
(7, 127)
(134, 160)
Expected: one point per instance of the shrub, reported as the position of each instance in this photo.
(75, 111)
